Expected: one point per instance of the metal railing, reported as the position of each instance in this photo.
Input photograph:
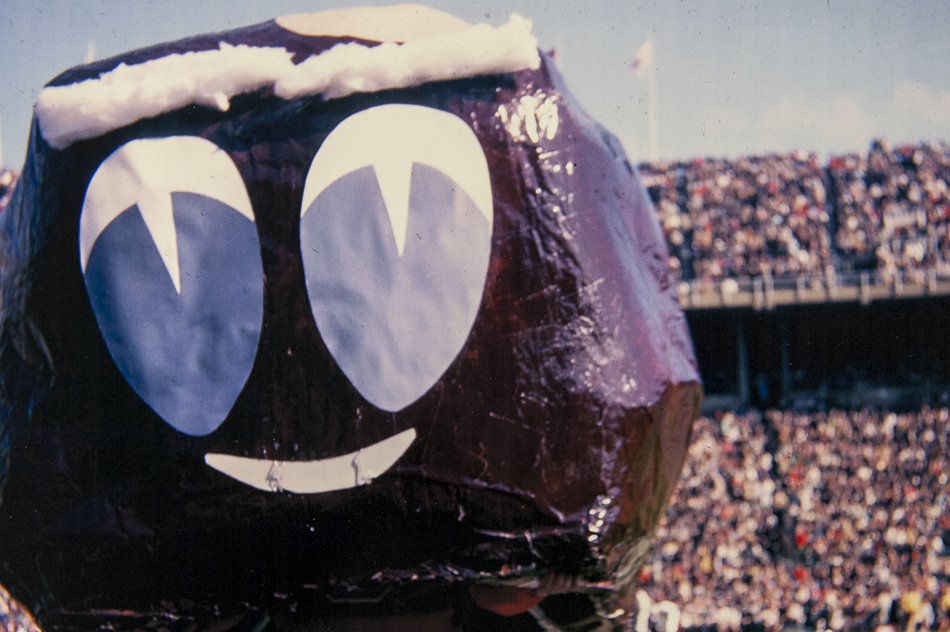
(766, 292)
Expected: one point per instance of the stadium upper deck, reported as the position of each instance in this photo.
(762, 231)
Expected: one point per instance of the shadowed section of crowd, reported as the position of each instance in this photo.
(788, 215)
(829, 520)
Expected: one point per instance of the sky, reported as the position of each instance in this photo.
(733, 77)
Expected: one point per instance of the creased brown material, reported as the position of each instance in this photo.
(551, 444)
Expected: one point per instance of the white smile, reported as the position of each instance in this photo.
(314, 477)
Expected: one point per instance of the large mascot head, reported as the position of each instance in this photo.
(349, 310)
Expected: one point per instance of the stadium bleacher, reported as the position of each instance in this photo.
(786, 214)
(865, 226)
(730, 219)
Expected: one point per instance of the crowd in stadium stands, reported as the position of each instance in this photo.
(832, 520)
(742, 218)
(894, 207)
(786, 214)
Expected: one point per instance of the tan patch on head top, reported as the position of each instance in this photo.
(400, 23)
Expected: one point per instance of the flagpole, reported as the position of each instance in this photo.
(644, 64)
(651, 103)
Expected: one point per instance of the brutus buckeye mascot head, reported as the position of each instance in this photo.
(351, 320)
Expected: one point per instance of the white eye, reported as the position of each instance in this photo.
(171, 261)
(395, 234)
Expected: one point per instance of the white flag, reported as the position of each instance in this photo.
(643, 59)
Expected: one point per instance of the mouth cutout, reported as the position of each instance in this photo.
(315, 477)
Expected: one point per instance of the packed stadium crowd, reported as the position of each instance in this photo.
(832, 520)
(738, 218)
(787, 214)
(894, 207)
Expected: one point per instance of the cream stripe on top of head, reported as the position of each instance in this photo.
(417, 45)
(399, 23)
